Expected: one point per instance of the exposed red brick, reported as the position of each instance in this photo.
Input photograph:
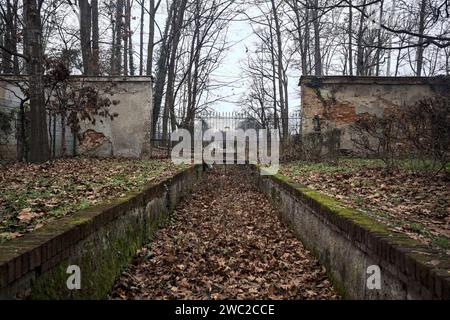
(342, 114)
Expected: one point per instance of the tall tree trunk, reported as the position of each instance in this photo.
(360, 50)
(283, 109)
(190, 76)
(308, 38)
(420, 48)
(350, 39)
(176, 34)
(194, 61)
(302, 43)
(274, 80)
(151, 38)
(85, 36)
(195, 87)
(113, 40)
(117, 65)
(317, 54)
(162, 68)
(39, 147)
(14, 37)
(95, 39)
(141, 39)
(8, 39)
(126, 31)
(130, 39)
(378, 52)
(389, 57)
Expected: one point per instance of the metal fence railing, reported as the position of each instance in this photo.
(220, 121)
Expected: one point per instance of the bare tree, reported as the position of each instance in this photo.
(177, 24)
(88, 19)
(9, 18)
(350, 39)
(420, 47)
(141, 38)
(95, 39)
(39, 147)
(151, 35)
(281, 76)
(85, 35)
(317, 50)
(162, 65)
(116, 60)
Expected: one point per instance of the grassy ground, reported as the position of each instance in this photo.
(33, 195)
(412, 200)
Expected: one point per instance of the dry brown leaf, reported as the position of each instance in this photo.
(225, 242)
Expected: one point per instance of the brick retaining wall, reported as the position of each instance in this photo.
(347, 242)
(100, 240)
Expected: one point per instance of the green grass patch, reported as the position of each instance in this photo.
(349, 165)
(442, 242)
(60, 188)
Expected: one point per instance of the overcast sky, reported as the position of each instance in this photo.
(240, 37)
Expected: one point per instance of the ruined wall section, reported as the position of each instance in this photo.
(339, 101)
(125, 136)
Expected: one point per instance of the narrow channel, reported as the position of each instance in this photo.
(225, 241)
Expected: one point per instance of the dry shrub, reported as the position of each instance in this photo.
(314, 147)
(376, 137)
(421, 133)
(426, 130)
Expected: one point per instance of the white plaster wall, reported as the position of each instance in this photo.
(127, 133)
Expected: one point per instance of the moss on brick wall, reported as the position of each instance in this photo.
(101, 259)
(101, 241)
(346, 241)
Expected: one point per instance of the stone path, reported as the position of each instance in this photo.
(225, 242)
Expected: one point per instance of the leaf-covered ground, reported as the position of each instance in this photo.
(412, 202)
(225, 242)
(33, 195)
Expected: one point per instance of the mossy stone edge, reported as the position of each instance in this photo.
(35, 265)
(422, 264)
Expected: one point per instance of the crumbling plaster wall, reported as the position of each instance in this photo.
(339, 101)
(128, 135)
